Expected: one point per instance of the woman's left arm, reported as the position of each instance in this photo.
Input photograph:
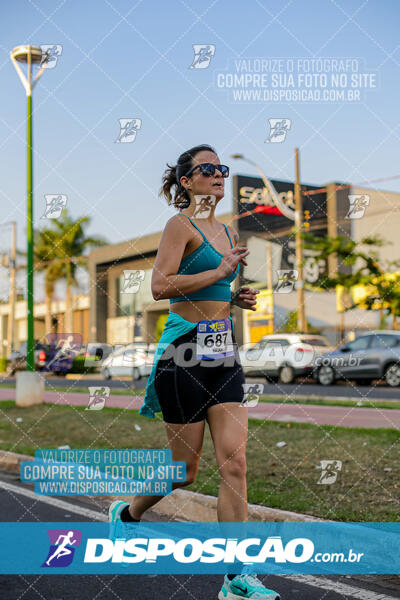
(244, 297)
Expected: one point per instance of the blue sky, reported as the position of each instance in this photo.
(125, 59)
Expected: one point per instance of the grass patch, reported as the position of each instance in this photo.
(49, 387)
(82, 390)
(390, 404)
(283, 478)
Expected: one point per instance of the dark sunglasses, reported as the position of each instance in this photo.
(208, 169)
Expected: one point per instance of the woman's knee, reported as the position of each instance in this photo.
(233, 467)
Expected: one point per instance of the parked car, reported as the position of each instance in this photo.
(129, 360)
(284, 356)
(59, 360)
(374, 355)
(17, 360)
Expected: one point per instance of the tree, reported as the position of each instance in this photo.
(290, 325)
(71, 245)
(380, 278)
(45, 259)
(58, 250)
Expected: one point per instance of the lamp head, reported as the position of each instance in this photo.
(20, 54)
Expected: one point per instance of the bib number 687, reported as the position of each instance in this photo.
(218, 340)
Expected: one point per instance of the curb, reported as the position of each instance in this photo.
(10, 461)
(192, 506)
(182, 504)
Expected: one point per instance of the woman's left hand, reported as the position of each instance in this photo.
(245, 298)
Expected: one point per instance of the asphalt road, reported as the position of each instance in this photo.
(17, 502)
(307, 388)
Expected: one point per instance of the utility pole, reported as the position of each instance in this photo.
(12, 266)
(270, 281)
(301, 316)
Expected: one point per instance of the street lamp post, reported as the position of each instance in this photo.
(29, 55)
(30, 385)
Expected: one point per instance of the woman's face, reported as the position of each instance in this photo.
(200, 184)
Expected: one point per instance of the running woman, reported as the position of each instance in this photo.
(197, 375)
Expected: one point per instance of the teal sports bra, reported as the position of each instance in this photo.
(204, 258)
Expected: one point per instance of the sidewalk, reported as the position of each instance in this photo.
(340, 416)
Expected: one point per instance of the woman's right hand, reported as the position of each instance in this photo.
(230, 261)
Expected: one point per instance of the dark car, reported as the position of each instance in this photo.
(17, 360)
(58, 361)
(375, 355)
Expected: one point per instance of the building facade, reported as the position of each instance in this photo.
(121, 316)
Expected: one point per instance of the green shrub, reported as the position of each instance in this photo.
(78, 366)
(3, 365)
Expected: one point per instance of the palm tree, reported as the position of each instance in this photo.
(46, 260)
(58, 251)
(71, 244)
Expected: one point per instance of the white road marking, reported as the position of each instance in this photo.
(338, 587)
(55, 502)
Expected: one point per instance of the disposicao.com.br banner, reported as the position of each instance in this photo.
(201, 548)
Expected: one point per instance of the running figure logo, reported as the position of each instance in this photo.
(202, 56)
(330, 470)
(278, 129)
(50, 55)
(62, 547)
(204, 202)
(66, 346)
(97, 397)
(251, 394)
(128, 130)
(286, 280)
(358, 204)
(132, 281)
(54, 205)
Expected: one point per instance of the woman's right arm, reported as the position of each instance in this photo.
(166, 283)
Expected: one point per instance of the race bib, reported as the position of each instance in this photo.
(214, 339)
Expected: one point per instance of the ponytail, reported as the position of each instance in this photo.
(171, 177)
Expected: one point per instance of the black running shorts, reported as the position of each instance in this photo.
(187, 387)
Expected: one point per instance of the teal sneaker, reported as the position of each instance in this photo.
(118, 528)
(246, 586)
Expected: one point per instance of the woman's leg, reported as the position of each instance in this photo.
(228, 424)
(185, 442)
